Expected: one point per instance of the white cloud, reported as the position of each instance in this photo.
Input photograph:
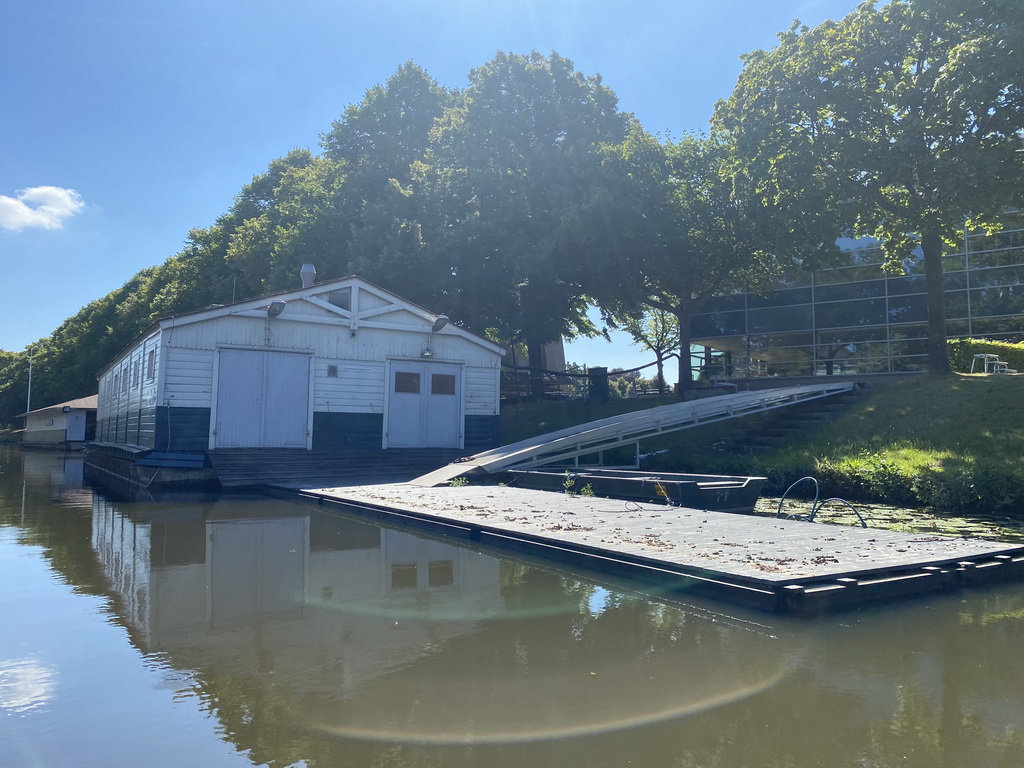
(44, 207)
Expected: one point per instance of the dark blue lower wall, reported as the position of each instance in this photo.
(182, 429)
(483, 432)
(188, 429)
(333, 431)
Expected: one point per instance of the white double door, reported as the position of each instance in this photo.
(262, 399)
(424, 405)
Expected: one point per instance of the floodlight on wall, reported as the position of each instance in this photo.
(440, 322)
(276, 308)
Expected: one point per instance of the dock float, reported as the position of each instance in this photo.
(770, 564)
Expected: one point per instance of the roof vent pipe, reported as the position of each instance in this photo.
(308, 273)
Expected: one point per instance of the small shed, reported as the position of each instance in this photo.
(335, 365)
(66, 425)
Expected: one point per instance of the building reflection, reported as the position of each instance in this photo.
(295, 593)
(319, 638)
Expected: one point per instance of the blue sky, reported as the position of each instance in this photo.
(127, 124)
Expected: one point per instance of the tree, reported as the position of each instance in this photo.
(516, 160)
(658, 331)
(685, 234)
(900, 121)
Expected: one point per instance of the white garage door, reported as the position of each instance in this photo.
(425, 406)
(262, 399)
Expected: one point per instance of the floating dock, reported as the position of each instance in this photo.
(770, 564)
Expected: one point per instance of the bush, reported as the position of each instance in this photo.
(962, 352)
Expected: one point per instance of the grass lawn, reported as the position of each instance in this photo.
(953, 443)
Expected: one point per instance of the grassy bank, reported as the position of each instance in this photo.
(951, 443)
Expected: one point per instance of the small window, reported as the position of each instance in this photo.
(136, 368)
(403, 576)
(407, 382)
(440, 573)
(151, 365)
(341, 298)
(332, 371)
(442, 384)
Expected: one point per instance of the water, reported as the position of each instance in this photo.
(259, 632)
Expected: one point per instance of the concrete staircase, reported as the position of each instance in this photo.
(253, 467)
(770, 431)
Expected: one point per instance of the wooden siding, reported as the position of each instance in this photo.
(358, 387)
(127, 389)
(482, 391)
(188, 378)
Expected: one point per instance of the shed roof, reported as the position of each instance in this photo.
(89, 403)
(261, 303)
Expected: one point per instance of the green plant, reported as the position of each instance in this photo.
(587, 490)
(458, 482)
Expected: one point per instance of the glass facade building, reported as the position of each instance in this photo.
(857, 318)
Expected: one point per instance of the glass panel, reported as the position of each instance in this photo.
(956, 304)
(724, 303)
(719, 324)
(997, 301)
(897, 332)
(954, 280)
(843, 291)
(782, 298)
(342, 298)
(848, 274)
(910, 347)
(908, 284)
(850, 313)
(797, 318)
(407, 382)
(442, 384)
(855, 335)
(908, 309)
(997, 258)
(984, 278)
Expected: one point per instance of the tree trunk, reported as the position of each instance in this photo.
(938, 353)
(685, 374)
(535, 349)
(661, 374)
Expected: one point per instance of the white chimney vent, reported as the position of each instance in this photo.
(308, 273)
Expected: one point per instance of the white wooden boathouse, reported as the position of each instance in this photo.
(342, 364)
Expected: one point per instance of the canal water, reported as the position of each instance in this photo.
(252, 631)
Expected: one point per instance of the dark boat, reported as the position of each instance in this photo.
(718, 493)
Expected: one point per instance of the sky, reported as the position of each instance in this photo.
(126, 124)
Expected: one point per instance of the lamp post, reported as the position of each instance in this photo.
(28, 400)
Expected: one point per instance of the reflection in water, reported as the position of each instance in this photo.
(317, 639)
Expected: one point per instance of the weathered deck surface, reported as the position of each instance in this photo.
(769, 563)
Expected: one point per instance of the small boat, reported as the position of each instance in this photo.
(718, 493)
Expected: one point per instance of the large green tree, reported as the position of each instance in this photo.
(684, 234)
(901, 121)
(515, 162)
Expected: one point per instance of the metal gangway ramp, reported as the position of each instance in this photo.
(627, 429)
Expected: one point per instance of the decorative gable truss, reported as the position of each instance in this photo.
(352, 303)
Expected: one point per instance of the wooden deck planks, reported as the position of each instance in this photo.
(774, 556)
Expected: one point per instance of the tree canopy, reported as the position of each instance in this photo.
(898, 122)
(515, 203)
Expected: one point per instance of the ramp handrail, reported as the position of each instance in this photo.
(632, 427)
